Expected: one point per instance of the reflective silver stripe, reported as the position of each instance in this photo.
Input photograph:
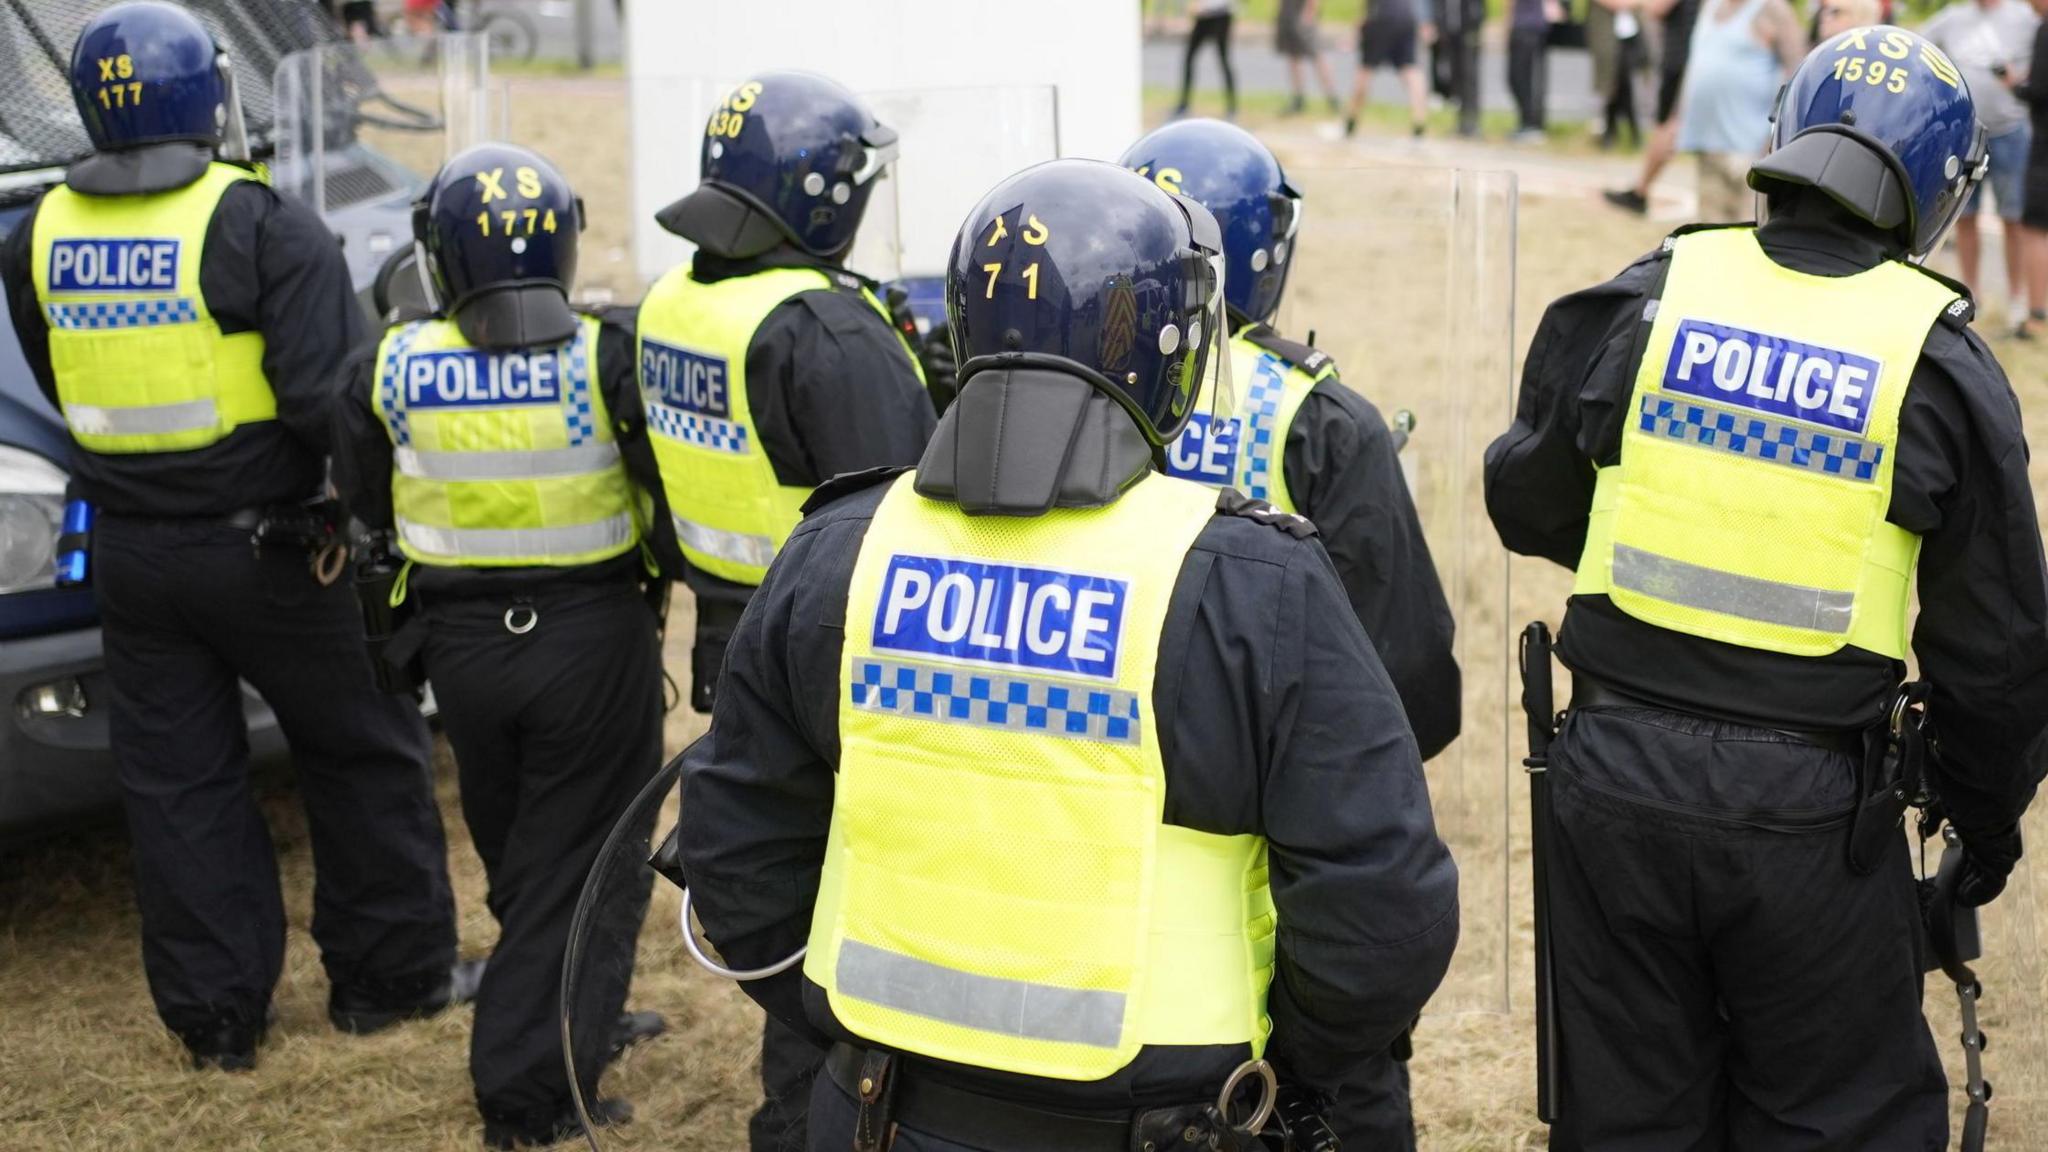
(984, 1003)
(523, 464)
(736, 547)
(186, 416)
(565, 540)
(1747, 597)
(991, 699)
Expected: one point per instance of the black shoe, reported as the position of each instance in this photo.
(1628, 200)
(366, 1007)
(1350, 127)
(228, 1046)
(635, 1028)
(558, 1129)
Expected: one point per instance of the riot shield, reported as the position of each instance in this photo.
(1406, 276)
(356, 139)
(2013, 978)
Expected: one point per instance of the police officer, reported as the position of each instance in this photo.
(484, 438)
(1743, 442)
(184, 318)
(1074, 776)
(1337, 465)
(767, 368)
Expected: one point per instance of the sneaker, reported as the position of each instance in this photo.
(1628, 200)
(1350, 127)
(1415, 131)
(372, 1006)
(505, 1135)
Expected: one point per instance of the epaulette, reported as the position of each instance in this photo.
(1962, 309)
(847, 483)
(1231, 502)
(1306, 357)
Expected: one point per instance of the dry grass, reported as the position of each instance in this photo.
(86, 1066)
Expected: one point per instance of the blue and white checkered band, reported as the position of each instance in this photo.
(123, 314)
(1262, 418)
(995, 700)
(703, 431)
(387, 382)
(577, 389)
(1808, 449)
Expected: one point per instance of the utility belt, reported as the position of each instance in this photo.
(1890, 758)
(890, 1094)
(315, 528)
(1588, 692)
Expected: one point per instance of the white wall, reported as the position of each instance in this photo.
(681, 55)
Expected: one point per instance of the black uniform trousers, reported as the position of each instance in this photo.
(789, 1066)
(1373, 1110)
(1725, 981)
(554, 731)
(188, 610)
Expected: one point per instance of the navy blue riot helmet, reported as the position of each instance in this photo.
(787, 156)
(1091, 270)
(1882, 121)
(498, 232)
(148, 73)
(1239, 181)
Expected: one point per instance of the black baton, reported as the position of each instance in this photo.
(1539, 706)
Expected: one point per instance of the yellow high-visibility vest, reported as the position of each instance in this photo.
(141, 364)
(1247, 449)
(731, 514)
(1000, 888)
(501, 458)
(1756, 469)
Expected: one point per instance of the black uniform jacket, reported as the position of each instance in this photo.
(830, 389)
(269, 266)
(1275, 718)
(362, 470)
(1960, 483)
(1344, 473)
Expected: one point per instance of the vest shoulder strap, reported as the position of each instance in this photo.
(1310, 359)
(846, 484)
(1231, 502)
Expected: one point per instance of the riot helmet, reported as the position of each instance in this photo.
(1883, 122)
(1090, 270)
(497, 231)
(150, 73)
(1228, 171)
(787, 157)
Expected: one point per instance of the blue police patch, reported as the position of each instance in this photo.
(680, 378)
(1001, 614)
(1772, 374)
(114, 265)
(1206, 450)
(473, 378)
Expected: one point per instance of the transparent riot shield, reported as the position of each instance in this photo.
(357, 137)
(1406, 276)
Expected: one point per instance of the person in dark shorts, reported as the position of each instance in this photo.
(1212, 22)
(1388, 39)
(2034, 206)
(1297, 37)
(1677, 16)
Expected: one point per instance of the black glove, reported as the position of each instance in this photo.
(941, 370)
(1302, 1117)
(1988, 859)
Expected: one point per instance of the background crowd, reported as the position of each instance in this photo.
(1696, 77)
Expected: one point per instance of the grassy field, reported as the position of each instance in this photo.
(1417, 322)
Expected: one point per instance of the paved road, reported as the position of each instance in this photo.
(1260, 69)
